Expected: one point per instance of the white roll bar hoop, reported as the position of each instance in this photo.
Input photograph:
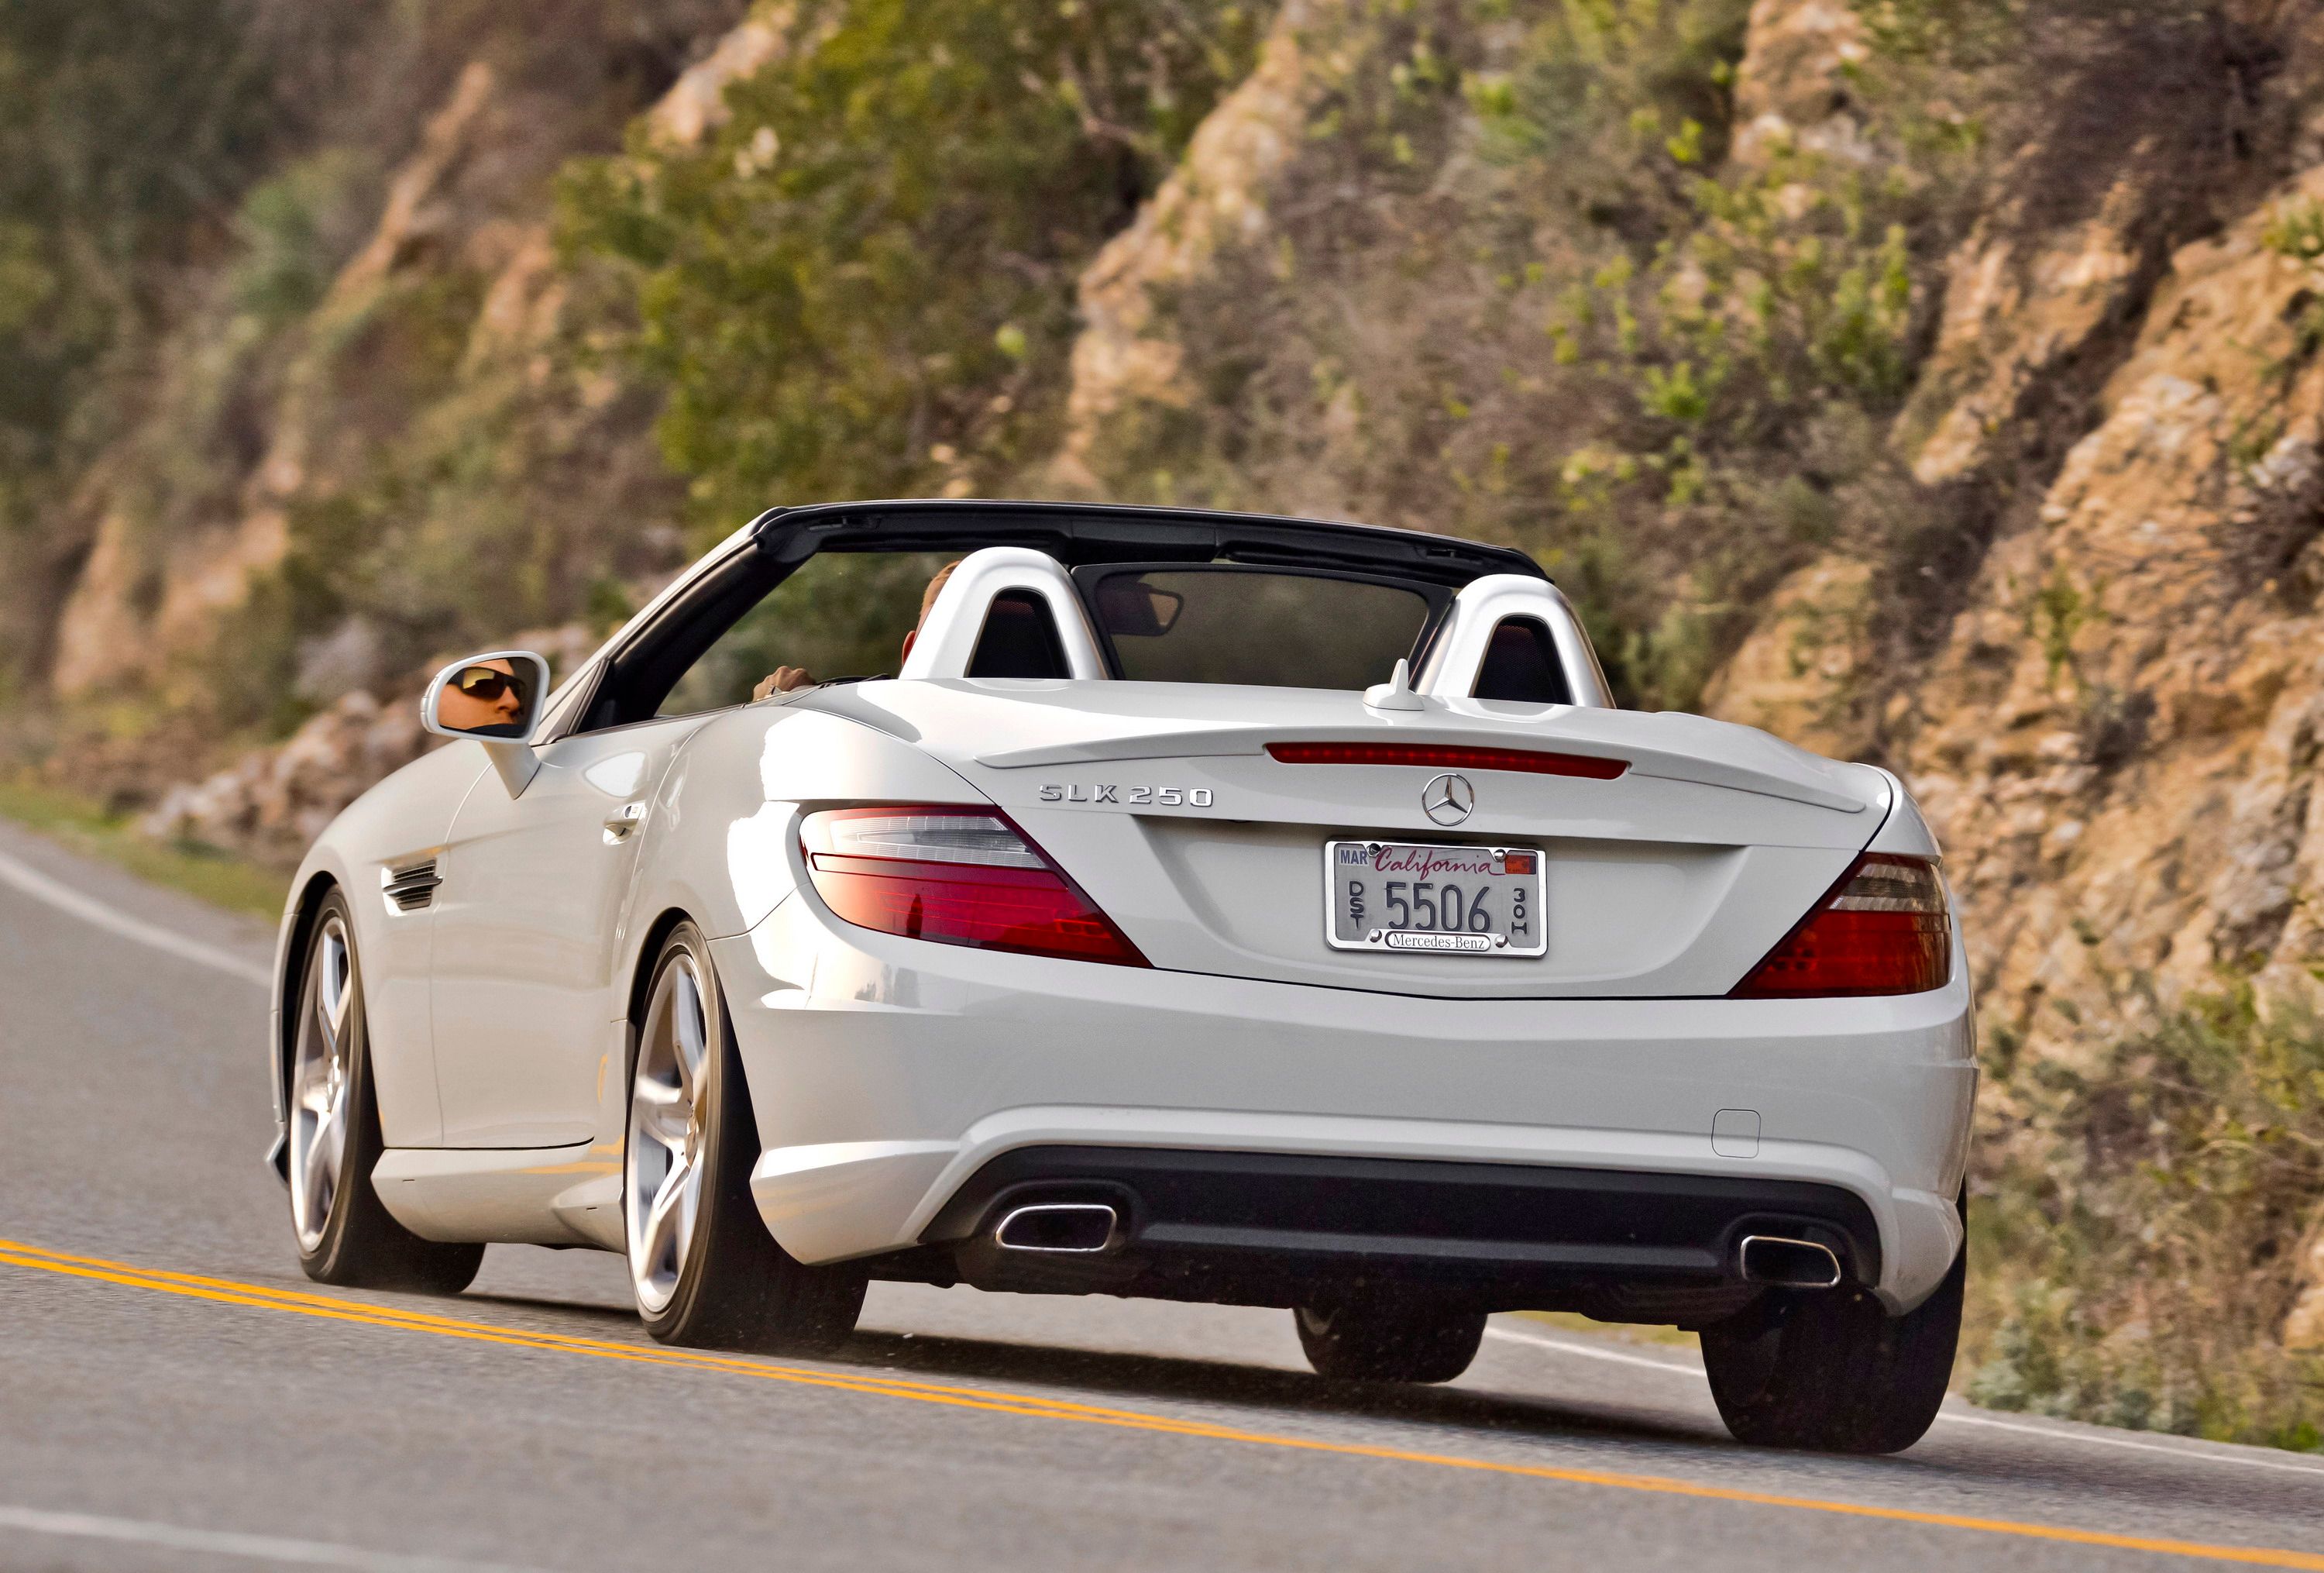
(947, 638)
(1457, 655)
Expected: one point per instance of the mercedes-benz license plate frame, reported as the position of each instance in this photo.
(1515, 915)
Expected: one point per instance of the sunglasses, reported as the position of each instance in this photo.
(481, 682)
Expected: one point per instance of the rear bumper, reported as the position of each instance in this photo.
(888, 1075)
(1267, 1228)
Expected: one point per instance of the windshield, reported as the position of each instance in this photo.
(1218, 624)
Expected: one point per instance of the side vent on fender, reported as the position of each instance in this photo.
(411, 887)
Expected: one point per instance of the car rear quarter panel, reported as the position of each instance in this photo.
(718, 841)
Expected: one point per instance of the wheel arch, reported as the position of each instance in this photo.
(304, 909)
(641, 969)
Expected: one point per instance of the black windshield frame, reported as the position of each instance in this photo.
(628, 684)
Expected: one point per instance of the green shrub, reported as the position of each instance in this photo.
(2136, 1250)
(2296, 230)
(863, 284)
(296, 229)
(1525, 294)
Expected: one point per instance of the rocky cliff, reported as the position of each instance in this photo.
(447, 319)
(2118, 724)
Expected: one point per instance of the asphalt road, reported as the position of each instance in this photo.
(174, 1394)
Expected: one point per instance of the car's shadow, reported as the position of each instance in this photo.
(1652, 1443)
(1264, 1395)
(1181, 1379)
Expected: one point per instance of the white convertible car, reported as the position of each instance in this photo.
(1217, 908)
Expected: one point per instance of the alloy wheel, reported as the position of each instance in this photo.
(321, 1081)
(661, 1190)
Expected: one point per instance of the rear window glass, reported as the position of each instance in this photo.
(1257, 628)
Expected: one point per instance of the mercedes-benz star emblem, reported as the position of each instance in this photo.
(1448, 800)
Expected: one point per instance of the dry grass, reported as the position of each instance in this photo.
(205, 873)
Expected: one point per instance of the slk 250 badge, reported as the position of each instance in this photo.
(1128, 796)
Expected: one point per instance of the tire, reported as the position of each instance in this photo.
(345, 1234)
(1375, 1340)
(703, 1268)
(1832, 1371)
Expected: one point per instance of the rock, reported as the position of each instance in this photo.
(2132, 662)
(274, 802)
(2016, 307)
(145, 604)
(1791, 88)
(1800, 673)
(348, 658)
(104, 638)
(418, 214)
(1215, 197)
(2303, 1328)
(695, 104)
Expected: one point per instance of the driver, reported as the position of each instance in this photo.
(481, 694)
(783, 679)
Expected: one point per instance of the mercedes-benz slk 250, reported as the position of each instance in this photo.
(1211, 907)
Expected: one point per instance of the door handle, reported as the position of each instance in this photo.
(624, 819)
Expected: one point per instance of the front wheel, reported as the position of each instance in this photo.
(703, 1268)
(1832, 1371)
(1377, 1341)
(346, 1235)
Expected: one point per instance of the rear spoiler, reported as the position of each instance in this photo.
(1786, 772)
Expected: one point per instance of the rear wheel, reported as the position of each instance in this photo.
(1379, 1340)
(346, 1235)
(1832, 1371)
(703, 1267)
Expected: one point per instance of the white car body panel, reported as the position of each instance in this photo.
(528, 926)
(558, 1196)
(885, 1070)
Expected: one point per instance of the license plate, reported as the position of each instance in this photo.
(1452, 901)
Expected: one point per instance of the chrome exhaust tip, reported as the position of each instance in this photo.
(1077, 1228)
(1786, 1263)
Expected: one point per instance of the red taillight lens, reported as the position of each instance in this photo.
(1530, 761)
(1884, 930)
(958, 876)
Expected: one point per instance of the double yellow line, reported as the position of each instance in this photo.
(231, 1292)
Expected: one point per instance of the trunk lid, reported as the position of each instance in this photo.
(1162, 801)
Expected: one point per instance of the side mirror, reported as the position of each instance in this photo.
(496, 699)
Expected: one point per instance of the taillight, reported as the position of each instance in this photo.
(1882, 930)
(1434, 756)
(958, 876)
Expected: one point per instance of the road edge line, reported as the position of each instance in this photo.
(250, 1547)
(55, 893)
